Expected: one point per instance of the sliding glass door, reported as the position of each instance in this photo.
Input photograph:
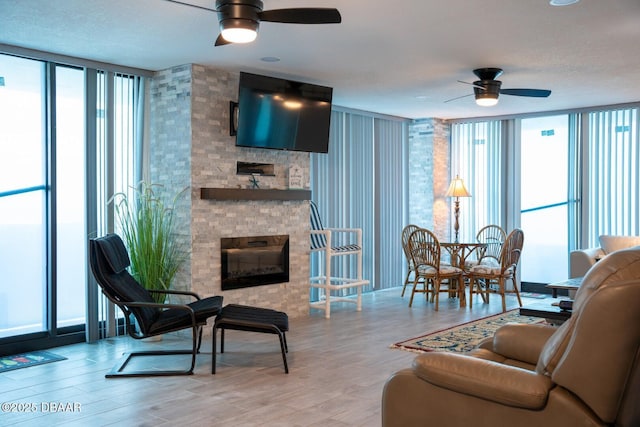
(69, 138)
(23, 198)
(42, 201)
(544, 200)
(71, 271)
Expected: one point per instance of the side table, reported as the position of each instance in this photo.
(569, 284)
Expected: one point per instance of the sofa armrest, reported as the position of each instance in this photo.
(507, 385)
(521, 341)
(580, 261)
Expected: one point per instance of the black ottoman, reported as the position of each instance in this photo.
(252, 319)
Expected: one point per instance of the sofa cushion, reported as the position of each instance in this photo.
(611, 244)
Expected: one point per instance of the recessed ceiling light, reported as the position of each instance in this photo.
(562, 2)
(270, 59)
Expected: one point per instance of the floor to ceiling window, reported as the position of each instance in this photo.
(69, 137)
(23, 197)
(567, 179)
(476, 157)
(70, 197)
(612, 179)
(42, 219)
(544, 198)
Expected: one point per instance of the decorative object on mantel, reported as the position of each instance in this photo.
(261, 169)
(255, 184)
(296, 176)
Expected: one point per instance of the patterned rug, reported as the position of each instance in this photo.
(24, 360)
(463, 337)
(534, 295)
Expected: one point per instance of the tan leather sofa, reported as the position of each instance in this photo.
(581, 260)
(585, 372)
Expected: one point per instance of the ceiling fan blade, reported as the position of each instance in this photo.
(221, 41)
(473, 84)
(536, 93)
(191, 5)
(304, 15)
(458, 97)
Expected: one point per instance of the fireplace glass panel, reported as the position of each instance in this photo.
(254, 261)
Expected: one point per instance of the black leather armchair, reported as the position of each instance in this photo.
(109, 261)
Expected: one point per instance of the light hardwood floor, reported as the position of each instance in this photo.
(338, 367)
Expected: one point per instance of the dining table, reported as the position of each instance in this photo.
(459, 252)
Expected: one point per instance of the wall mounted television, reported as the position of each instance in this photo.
(282, 114)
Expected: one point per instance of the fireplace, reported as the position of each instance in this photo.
(254, 261)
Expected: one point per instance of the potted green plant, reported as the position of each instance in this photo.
(148, 229)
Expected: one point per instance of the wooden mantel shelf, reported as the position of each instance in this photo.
(253, 194)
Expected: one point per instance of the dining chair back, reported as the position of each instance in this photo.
(485, 278)
(406, 232)
(435, 277)
(493, 237)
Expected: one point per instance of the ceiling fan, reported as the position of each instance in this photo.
(487, 88)
(239, 19)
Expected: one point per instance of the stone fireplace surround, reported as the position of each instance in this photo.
(190, 147)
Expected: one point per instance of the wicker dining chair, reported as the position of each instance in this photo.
(486, 278)
(406, 232)
(435, 277)
(493, 237)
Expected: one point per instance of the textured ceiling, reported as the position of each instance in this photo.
(400, 57)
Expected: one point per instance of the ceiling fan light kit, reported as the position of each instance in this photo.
(239, 19)
(240, 34)
(487, 89)
(486, 92)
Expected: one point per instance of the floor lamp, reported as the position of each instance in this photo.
(457, 190)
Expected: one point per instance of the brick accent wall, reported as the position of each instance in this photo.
(191, 147)
(429, 176)
(170, 150)
(442, 206)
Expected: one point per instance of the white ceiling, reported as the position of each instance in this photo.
(400, 57)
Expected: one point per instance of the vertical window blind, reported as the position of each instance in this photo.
(614, 175)
(604, 169)
(477, 156)
(360, 184)
(119, 141)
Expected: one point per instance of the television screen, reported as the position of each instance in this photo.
(283, 114)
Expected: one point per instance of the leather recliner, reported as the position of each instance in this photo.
(581, 260)
(585, 372)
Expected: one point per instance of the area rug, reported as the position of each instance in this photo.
(463, 337)
(534, 295)
(24, 360)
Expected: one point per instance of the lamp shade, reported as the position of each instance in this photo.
(457, 188)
